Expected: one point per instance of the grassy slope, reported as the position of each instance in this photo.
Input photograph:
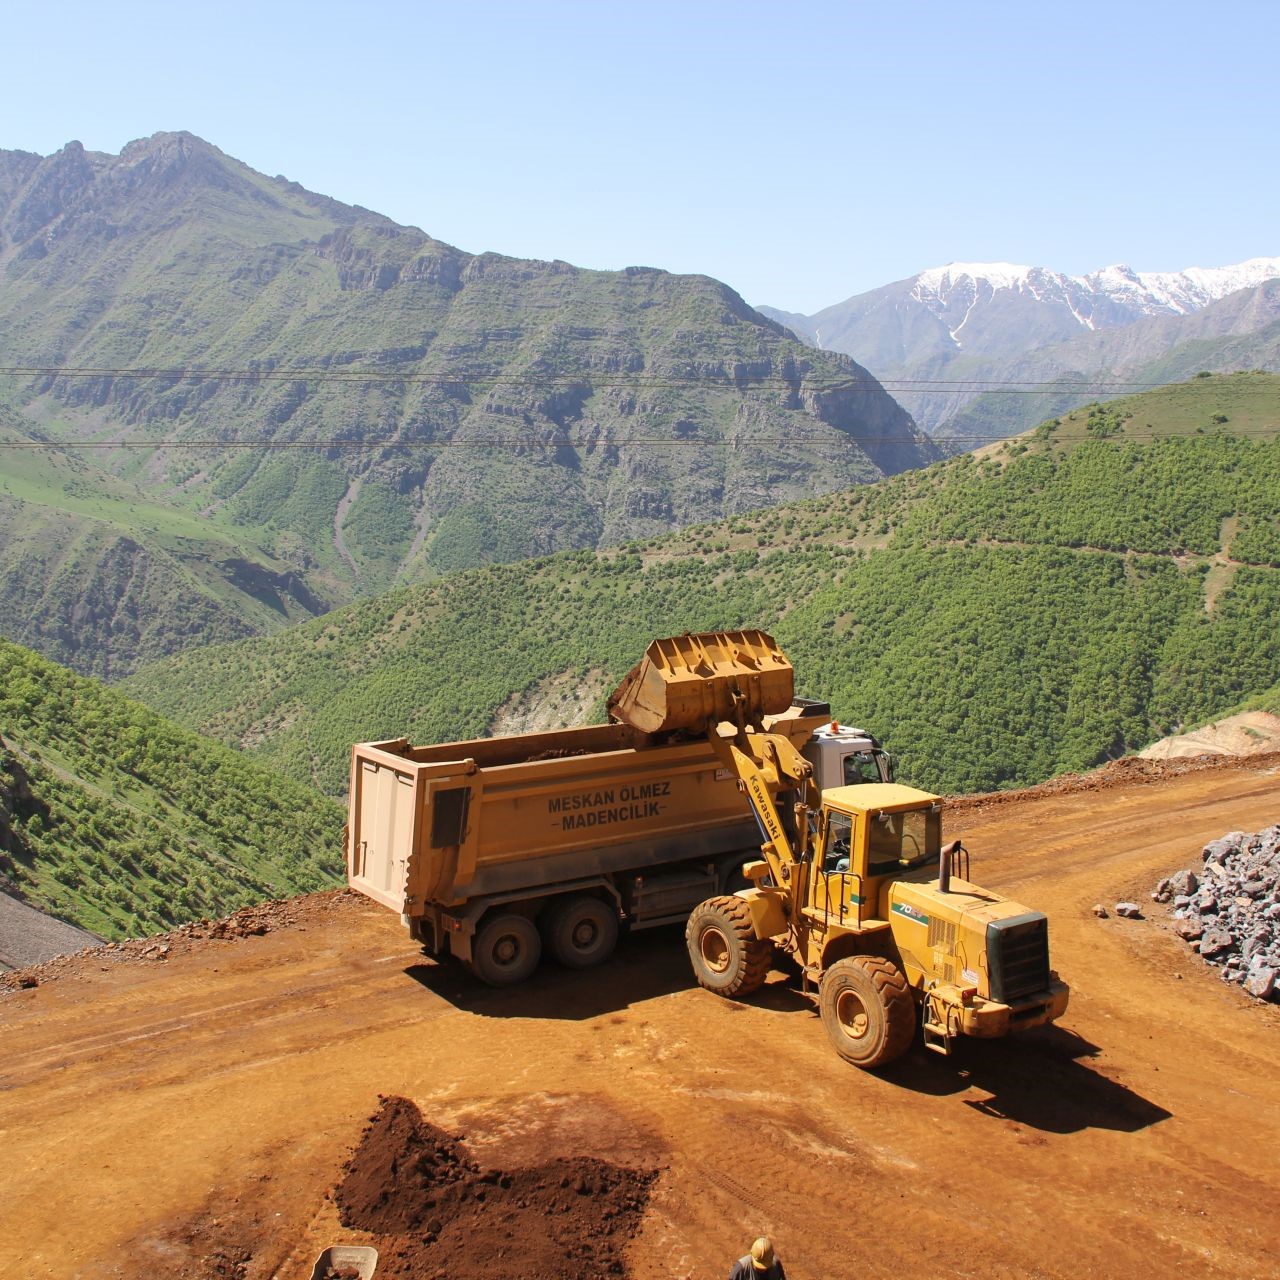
(135, 824)
(102, 573)
(998, 619)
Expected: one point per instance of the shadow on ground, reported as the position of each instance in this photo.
(650, 964)
(1039, 1079)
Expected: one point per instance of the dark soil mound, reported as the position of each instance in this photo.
(442, 1215)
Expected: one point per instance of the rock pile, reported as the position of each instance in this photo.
(1229, 909)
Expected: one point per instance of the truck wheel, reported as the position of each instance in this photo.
(868, 1010)
(581, 932)
(506, 950)
(727, 956)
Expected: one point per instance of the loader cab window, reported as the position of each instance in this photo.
(839, 843)
(901, 841)
(860, 766)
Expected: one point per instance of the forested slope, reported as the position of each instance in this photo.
(1066, 598)
(123, 823)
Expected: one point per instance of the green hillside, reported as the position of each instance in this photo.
(1071, 596)
(98, 573)
(364, 405)
(121, 822)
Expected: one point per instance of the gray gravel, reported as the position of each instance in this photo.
(28, 936)
(1228, 909)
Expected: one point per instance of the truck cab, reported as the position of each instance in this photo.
(843, 756)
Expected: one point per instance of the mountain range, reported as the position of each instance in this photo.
(946, 340)
(342, 403)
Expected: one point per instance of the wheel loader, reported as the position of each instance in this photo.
(854, 882)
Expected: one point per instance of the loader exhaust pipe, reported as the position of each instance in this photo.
(945, 858)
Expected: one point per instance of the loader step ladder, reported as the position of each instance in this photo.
(938, 1034)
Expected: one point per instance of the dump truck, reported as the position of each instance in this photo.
(495, 850)
(854, 882)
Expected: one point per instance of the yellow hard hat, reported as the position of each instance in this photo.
(762, 1254)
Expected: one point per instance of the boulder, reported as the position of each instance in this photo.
(1261, 983)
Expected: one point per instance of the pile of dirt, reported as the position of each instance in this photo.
(436, 1212)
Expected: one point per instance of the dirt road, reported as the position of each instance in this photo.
(187, 1116)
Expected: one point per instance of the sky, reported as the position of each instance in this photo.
(802, 151)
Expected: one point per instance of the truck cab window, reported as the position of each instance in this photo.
(860, 766)
(899, 841)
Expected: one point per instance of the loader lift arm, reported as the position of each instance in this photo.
(764, 764)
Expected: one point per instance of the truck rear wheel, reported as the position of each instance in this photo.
(581, 932)
(506, 950)
(867, 1010)
(727, 956)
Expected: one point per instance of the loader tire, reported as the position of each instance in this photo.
(581, 932)
(506, 950)
(868, 1010)
(727, 956)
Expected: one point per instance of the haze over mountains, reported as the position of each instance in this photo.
(997, 323)
(343, 403)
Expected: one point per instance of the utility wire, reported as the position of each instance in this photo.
(526, 442)
(596, 379)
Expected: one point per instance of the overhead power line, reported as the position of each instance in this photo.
(578, 445)
(595, 378)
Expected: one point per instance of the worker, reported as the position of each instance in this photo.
(762, 1263)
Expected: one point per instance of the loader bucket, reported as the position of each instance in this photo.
(692, 682)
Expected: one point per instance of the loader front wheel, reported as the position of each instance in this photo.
(867, 1010)
(727, 956)
(506, 950)
(581, 932)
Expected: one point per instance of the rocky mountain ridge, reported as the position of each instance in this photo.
(363, 405)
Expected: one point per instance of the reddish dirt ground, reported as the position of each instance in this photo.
(190, 1112)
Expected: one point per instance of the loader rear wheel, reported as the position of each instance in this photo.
(506, 950)
(867, 1010)
(581, 932)
(727, 956)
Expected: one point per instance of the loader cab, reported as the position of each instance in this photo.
(872, 833)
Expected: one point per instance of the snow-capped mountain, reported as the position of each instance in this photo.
(1114, 296)
(936, 338)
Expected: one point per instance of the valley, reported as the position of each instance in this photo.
(376, 387)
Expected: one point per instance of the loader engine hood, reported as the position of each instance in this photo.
(969, 937)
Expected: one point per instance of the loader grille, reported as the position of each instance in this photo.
(1018, 956)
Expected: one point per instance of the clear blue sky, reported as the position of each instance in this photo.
(801, 151)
